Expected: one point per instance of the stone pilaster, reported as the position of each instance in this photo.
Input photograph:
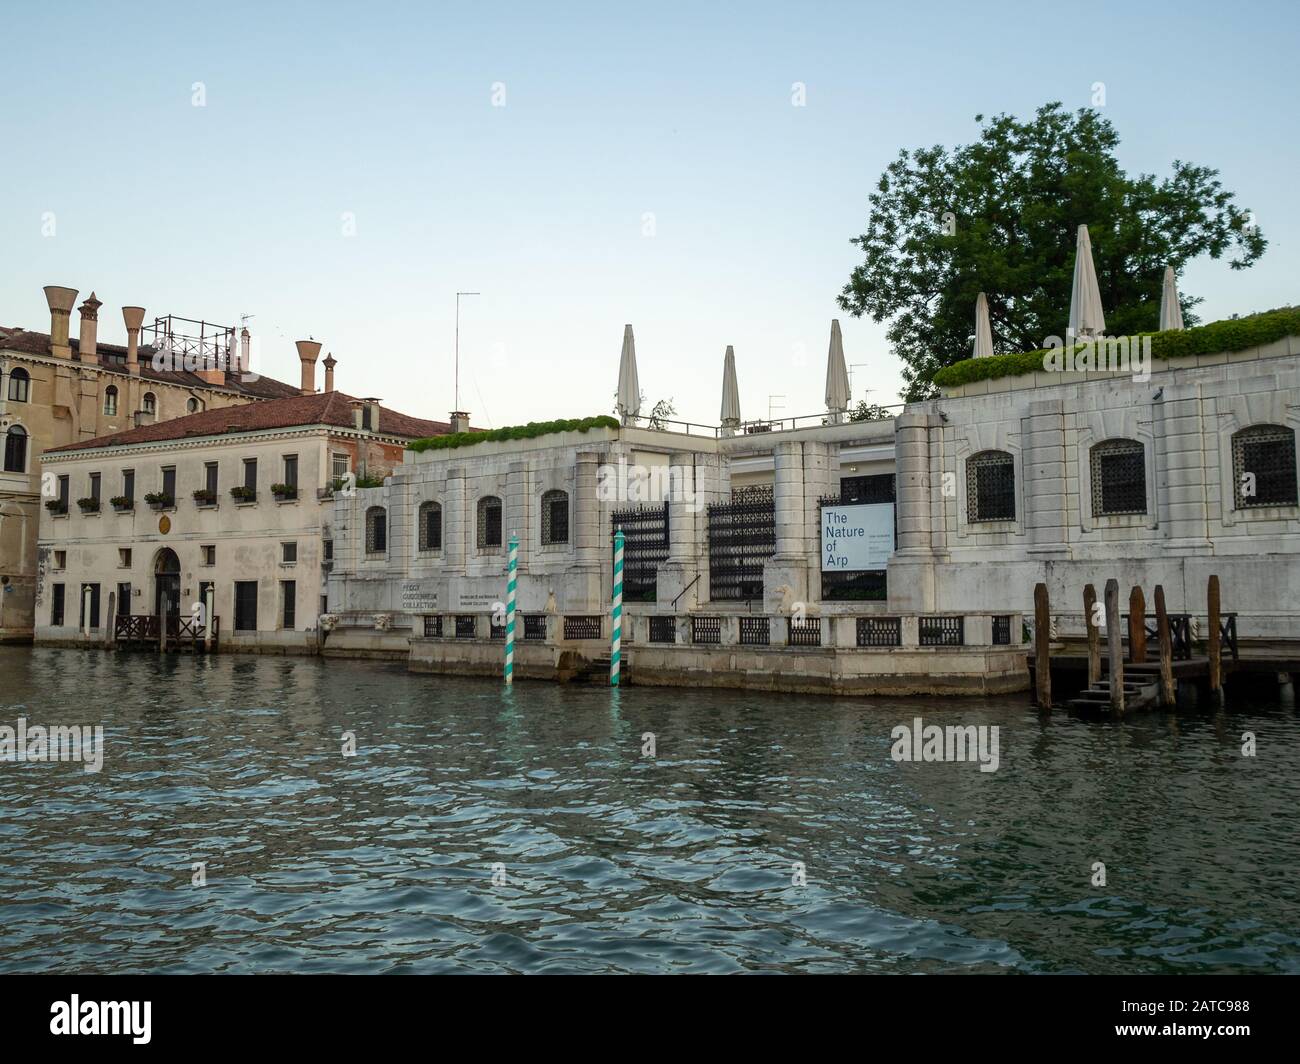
(455, 522)
(1046, 521)
(517, 505)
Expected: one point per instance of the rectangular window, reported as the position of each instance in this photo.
(63, 490)
(169, 481)
(128, 484)
(291, 470)
(250, 473)
(210, 477)
(56, 606)
(60, 559)
(245, 605)
(209, 551)
(94, 486)
(288, 552)
(339, 465)
(329, 550)
(94, 605)
(289, 595)
(123, 600)
(124, 557)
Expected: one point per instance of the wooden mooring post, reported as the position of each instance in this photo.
(1042, 646)
(1114, 649)
(1137, 627)
(1094, 634)
(1214, 643)
(1168, 697)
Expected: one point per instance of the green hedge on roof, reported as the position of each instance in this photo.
(1234, 334)
(513, 432)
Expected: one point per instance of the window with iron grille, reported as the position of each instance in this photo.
(755, 631)
(742, 536)
(1119, 478)
(430, 518)
(1264, 466)
(706, 629)
(663, 629)
(496, 631)
(555, 517)
(880, 632)
(433, 627)
(582, 627)
(645, 548)
(877, 488)
(535, 626)
(465, 626)
(1002, 630)
(942, 631)
(489, 523)
(376, 530)
(990, 487)
(804, 633)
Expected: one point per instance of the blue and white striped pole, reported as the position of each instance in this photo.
(616, 610)
(510, 609)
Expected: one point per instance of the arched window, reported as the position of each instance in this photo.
(376, 530)
(489, 523)
(192, 406)
(555, 517)
(430, 526)
(16, 449)
(990, 487)
(150, 403)
(1263, 467)
(1119, 478)
(110, 401)
(20, 385)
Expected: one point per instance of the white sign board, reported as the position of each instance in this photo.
(858, 537)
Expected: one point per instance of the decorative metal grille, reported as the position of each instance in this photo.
(805, 633)
(465, 626)
(1002, 631)
(430, 526)
(990, 487)
(1119, 478)
(706, 629)
(489, 523)
(645, 548)
(663, 629)
(582, 627)
(1264, 466)
(755, 631)
(433, 627)
(880, 632)
(742, 536)
(942, 631)
(535, 626)
(555, 517)
(877, 488)
(860, 585)
(376, 530)
(496, 631)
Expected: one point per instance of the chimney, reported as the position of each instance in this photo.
(60, 301)
(459, 421)
(308, 352)
(88, 346)
(134, 318)
(212, 368)
(330, 363)
(245, 340)
(358, 406)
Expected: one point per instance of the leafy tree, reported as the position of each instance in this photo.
(1001, 215)
(865, 411)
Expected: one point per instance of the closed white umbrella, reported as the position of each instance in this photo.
(983, 330)
(1171, 311)
(629, 387)
(1086, 317)
(837, 375)
(730, 392)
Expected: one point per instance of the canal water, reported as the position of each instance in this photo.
(477, 830)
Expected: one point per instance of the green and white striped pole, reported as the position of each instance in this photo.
(510, 609)
(616, 610)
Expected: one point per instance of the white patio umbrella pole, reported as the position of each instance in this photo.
(616, 611)
(1171, 311)
(510, 608)
(730, 413)
(1086, 317)
(837, 376)
(629, 385)
(983, 330)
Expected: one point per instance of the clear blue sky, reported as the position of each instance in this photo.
(385, 110)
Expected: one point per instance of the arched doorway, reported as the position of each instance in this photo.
(167, 581)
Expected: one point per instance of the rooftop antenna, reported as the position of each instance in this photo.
(852, 367)
(774, 406)
(458, 295)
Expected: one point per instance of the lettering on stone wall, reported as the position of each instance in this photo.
(419, 595)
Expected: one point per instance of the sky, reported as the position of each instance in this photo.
(582, 166)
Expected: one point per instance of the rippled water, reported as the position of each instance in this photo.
(614, 861)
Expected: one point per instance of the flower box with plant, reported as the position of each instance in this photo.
(159, 500)
(122, 503)
(204, 497)
(89, 505)
(242, 494)
(284, 491)
(56, 506)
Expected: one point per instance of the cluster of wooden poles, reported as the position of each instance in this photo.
(1137, 642)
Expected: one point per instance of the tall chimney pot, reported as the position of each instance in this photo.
(330, 363)
(308, 352)
(88, 345)
(60, 301)
(133, 318)
(459, 421)
(245, 340)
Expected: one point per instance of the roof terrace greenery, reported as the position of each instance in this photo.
(1232, 334)
(513, 432)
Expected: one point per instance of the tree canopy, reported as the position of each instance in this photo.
(1000, 216)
